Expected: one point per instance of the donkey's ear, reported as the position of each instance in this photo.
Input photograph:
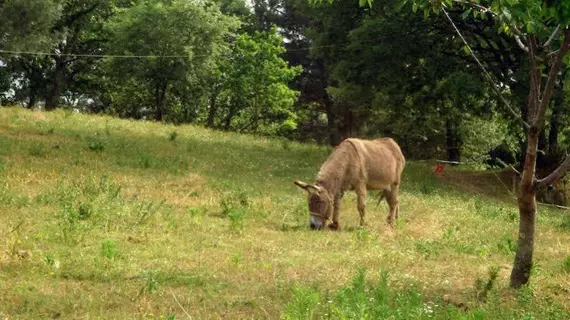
(308, 187)
(301, 184)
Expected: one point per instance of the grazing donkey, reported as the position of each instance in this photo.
(359, 165)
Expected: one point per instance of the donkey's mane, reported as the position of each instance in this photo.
(333, 171)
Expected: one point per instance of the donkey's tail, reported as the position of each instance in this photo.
(380, 197)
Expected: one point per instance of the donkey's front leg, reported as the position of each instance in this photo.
(336, 211)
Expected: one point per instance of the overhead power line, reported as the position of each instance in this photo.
(89, 55)
(85, 55)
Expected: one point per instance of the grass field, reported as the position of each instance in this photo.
(103, 218)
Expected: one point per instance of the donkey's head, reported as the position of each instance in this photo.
(320, 204)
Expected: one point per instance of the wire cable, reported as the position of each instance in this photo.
(494, 84)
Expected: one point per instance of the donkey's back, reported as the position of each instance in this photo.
(381, 162)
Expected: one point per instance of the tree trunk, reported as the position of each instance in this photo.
(160, 101)
(334, 137)
(527, 193)
(231, 114)
(452, 140)
(347, 125)
(213, 111)
(33, 98)
(541, 157)
(537, 106)
(527, 211)
(54, 92)
(35, 77)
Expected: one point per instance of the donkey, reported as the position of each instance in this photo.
(355, 165)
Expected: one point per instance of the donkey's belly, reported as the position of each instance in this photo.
(378, 186)
(380, 177)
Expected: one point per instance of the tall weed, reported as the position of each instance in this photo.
(303, 304)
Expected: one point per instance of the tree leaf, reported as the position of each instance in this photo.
(466, 14)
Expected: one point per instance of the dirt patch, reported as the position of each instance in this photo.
(502, 185)
(498, 185)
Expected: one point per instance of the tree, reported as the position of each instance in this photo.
(30, 71)
(183, 38)
(25, 26)
(295, 20)
(79, 29)
(254, 95)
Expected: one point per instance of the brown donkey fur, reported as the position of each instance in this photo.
(358, 165)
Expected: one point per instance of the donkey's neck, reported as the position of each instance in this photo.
(333, 172)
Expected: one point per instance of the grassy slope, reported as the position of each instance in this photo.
(110, 219)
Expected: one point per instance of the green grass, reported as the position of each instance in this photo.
(103, 218)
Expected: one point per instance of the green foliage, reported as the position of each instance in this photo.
(72, 226)
(235, 207)
(151, 283)
(513, 17)
(565, 224)
(37, 150)
(428, 248)
(302, 305)
(494, 211)
(508, 244)
(25, 23)
(49, 259)
(146, 210)
(145, 160)
(109, 249)
(566, 264)
(483, 287)
(185, 37)
(362, 300)
(254, 94)
(96, 145)
(482, 135)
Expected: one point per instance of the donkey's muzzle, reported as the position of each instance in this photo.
(314, 226)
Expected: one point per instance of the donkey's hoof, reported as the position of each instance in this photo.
(334, 226)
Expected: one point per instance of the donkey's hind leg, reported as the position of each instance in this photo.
(394, 203)
(361, 202)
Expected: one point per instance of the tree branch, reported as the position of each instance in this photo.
(521, 44)
(475, 5)
(553, 74)
(533, 103)
(555, 175)
(552, 36)
(517, 31)
(74, 17)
